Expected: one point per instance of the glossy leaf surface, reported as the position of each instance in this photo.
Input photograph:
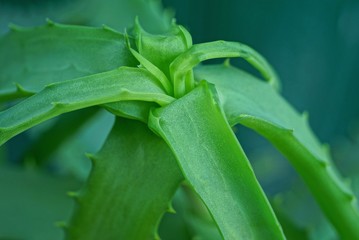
(248, 101)
(121, 84)
(31, 58)
(215, 165)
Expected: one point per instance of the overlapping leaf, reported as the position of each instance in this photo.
(253, 103)
(118, 85)
(133, 180)
(215, 165)
(31, 58)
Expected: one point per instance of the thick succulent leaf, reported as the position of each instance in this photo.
(185, 62)
(31, 58)
(215, 165)
(162, 49)
(137, 110)
(248, 101)
(133, 180)
(117, 85)
(32, 202)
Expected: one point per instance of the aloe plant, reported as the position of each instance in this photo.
(173, 125)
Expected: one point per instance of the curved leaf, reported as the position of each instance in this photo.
(133, 180)
(121, 84)
(162, 49)
(215, 165)
(184, 63)
(256, 105)
(31, 58)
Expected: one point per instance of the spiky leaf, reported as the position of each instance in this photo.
(133, 180)
(248, 101)
(215, 165)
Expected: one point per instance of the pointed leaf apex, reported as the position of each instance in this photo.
(127, 39)
(289, 130)
(14, 27)
(227, 62)
(171, 209)
(138, 34)
(186, 36)
(22, 90)
(138, 26)
(305, 116)
(49, 22)
(326, 149)
(73, 194)
(351, 197)
(91, 157)
(173, 21)
(61, 224)
(108, 28)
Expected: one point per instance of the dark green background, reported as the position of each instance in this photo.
(314, 46)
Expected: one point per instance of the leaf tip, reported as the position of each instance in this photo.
(305, 116)
(61, 224)
(20, 89)
(14, 27)
(108, 29)
(186, 36)
(170, 209)
(74, 195)
(227, 62)
(326, 149)
(91, 157)
(49, 22)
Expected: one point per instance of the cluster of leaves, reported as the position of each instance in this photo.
(173, 125)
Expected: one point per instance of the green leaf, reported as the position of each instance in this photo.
(121, 84)
(31, 58)
(133, 180)
(184, 63)
(156, 72)
(215, 165)
(137, 110)
(252, 103)
(162, 49)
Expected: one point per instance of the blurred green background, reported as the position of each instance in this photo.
(313, 45)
